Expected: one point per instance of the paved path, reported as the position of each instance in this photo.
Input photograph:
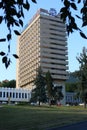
(78, 126)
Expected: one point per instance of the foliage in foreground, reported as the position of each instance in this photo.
(12, 14)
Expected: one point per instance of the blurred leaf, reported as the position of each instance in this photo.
(16, 23)
(84, 24)
(16, 32)
(21, 22)
(34, 1)
(9, 37)
(15, 56)
(74, 25)
(67, 3)
(22, 14)
(63, 9)
(2, 40)
(1, 18)
(9, 48)
(13, 11)
(83, 35)
(72, 19)
(7, 63)
(73, 6)
(18, 14)
(20, 2)
(26, 6)
(78, 17)
(2, 53)
(83, 10)
(79, 1)
(1, 4)
(4, 59)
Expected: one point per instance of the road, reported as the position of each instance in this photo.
(78, 126)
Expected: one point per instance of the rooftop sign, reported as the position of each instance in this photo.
(52, 12)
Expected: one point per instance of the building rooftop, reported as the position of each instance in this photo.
(51, 12)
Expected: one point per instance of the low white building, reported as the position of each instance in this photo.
(14, 95)
(72, 99)
(24, 95)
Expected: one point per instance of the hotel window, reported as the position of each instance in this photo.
(7, 94)
(16, 95)
(22, 95)
(3, 94)
(19, 95)
(10, 94)
(25, 95)
(13, 95)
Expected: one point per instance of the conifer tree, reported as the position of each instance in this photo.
(39, 93)
(82, 59)
(49, 86)
(58, 95)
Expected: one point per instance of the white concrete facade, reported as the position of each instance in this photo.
(15, 95)
(24, 95)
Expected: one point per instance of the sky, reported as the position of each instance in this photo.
(75, 42)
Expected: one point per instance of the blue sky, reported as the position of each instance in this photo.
(75, 42)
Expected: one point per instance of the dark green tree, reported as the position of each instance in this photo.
(8, 84)
(12, 14)
(82, 59)
(0, 84)
(71, 87)
(75, 74)
(69, 13)
(39, 93)
(49, 86)
(58, 95)
(12, 84)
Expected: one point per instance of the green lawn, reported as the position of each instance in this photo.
(39, 118)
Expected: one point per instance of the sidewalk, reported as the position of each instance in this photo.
(77, 126)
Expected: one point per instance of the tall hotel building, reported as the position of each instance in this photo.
(42, 43)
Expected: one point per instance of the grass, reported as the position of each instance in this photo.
(39, 118)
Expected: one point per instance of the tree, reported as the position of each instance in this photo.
(82, 59)
(39, 93)
(49, 86)
(12, 84)
(71, 85)
(13, 14)
(8, 84)
(54, 93)
(58, 95)
(70, 6)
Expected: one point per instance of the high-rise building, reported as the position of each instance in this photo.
(42, 43)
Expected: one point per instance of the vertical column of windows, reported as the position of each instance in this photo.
(52, 53)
